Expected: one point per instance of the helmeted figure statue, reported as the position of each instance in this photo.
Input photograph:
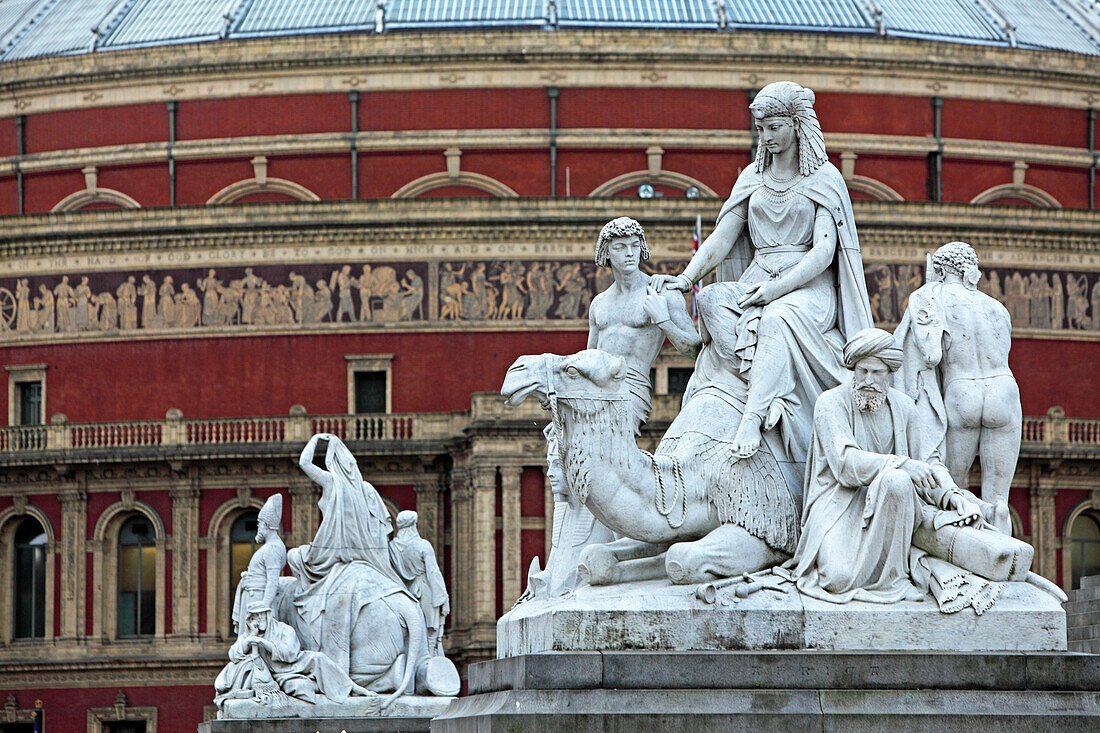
(414, 559)
(260, 582)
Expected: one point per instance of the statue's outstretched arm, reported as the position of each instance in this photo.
(715, 247)
(305, 462)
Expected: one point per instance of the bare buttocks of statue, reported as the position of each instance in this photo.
(956, 341)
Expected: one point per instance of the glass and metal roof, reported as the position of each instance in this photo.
(33, 28)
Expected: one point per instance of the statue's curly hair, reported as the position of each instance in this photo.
(960, 258)
(623, 226)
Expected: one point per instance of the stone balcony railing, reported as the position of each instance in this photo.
(1052, 434)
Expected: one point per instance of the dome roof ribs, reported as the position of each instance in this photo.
(33, 28)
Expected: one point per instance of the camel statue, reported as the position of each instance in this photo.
(688, 504)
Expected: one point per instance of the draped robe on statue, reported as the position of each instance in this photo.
(788, 350)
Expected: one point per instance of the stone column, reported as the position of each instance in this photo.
(73, 551)
(511, 557)
(185, 559)
(428, 510)
(484, 571)
(1043, 531)
(458, 584)
(304, 515)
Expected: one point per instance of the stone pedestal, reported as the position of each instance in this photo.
(656, 615)
(779, 691)
(407, 715)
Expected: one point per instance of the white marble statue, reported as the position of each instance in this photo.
(268, 665)
(869, 481)
(956, 341)
(790, 291)
(260, 582)
(414, 559)
(344, 620)
(629, 319)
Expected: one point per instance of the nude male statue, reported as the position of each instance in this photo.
(632, 320)
(956, 341)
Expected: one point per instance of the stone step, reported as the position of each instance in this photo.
(1083, 633)
(786, 670)
(1084, 594)
(1085, 618)
(1090, 581)
(802, 710)
(1090, 646)
(1081, 606)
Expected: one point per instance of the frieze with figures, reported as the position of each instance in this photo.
(1038, 300)
(224, 298)
(365, 295)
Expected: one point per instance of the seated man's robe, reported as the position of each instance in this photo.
(860, 509)
(300, 674)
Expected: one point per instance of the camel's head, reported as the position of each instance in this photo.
(589, 374)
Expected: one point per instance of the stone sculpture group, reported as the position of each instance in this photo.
(812, 450)
(360, 616)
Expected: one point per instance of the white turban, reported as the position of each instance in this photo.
(872, 342)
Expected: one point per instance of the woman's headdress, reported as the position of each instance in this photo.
(795, 102)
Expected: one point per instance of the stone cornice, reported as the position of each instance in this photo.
(487, 222)
(524, 139)
(501, 58)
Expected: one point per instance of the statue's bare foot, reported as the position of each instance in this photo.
(747, 440)
(373, 699)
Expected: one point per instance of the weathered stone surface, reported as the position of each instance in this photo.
(655, 615)
(781, 691)
(406, 706)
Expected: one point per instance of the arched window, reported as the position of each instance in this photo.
(30, 580)
(1084, 547)
(137, 560)
(242, 543)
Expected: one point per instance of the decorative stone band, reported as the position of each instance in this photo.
(504, 292)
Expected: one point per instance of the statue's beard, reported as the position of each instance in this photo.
(870, 397)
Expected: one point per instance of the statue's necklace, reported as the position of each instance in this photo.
(776, 189)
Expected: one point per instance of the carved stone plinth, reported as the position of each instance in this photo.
(779, 691)
(407, 714)
(656, 615)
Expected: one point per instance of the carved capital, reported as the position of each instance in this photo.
(71, 497)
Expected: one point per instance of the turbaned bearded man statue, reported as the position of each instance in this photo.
(869, 484)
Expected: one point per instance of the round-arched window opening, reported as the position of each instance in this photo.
(30, 580)
(242, 543)
(137, 562)
(1084, 547)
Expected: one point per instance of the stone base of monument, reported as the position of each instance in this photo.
(777, 660)
(407, 714)
(656, 615)
(800, 691)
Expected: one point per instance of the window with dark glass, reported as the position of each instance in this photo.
(370, 392)
(30, 580)
(30, 403)
(137, 560)
(125, 726)
(1084, 547)
(242, 543)
(678, 379)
